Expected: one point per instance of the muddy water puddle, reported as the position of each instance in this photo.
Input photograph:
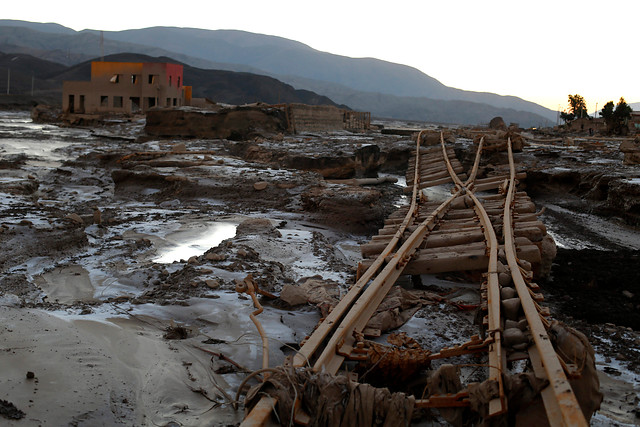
(194, 239)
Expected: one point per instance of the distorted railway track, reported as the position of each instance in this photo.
(484, 225)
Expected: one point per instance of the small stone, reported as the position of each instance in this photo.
(215, 257)
(513, 336)
(97, 216)
(220, 162)
(260, 185)
(242, 253)
(507, 293)
(523, 324)
(510, 324)
(31, 177)
(511, 308)
(179, 148)
(75, 218)
(504, 279)
(526, 265)
(193, 260)
(194, 284)
(212, 283)
(627, 294)
(26, 222)
(502, 268)
(205, 271)
(30, 375)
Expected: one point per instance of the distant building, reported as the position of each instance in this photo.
(126, 87)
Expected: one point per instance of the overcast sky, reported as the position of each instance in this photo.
(541, 50)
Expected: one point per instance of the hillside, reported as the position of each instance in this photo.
(289, 61)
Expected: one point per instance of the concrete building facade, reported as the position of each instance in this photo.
(126, 87)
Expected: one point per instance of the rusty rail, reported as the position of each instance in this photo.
(562, 406)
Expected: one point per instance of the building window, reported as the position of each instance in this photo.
(117, 102)
(169, 80)
(115, 78)
(151, 102)
(168, 103)
(178, 81)
(134, 79)
(104, 101)
(174, 102)
(152, 78)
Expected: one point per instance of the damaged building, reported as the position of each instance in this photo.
(126, 88)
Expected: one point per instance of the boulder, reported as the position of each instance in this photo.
(631, 150)
(497, 123)
(257, 226)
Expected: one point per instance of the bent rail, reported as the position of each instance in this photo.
(335, 337)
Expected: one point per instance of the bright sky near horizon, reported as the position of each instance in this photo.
(541, 50)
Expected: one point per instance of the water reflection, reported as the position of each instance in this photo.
(185, 244)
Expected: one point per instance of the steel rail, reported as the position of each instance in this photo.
(323, 330)
(497, 360)
(544, 354)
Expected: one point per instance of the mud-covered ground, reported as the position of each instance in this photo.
(119, 266)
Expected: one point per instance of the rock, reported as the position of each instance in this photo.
(508, 293)
(293, 295)
(215, 257)
(504, 279)
(548, 252)
(179, 148)
(513, 336)
(212, 283)
(510, 324)
(30, 375)
(193, 260)
(75, 218)
(631, 150)
(523, 324)
(257, 226)
(511, 308)
(97, 216)
(312, 290)
(627, 294)
(497, 123)
(260, 185)
(526, 265)
(242, 253)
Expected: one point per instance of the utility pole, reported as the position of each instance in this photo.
(595, 115)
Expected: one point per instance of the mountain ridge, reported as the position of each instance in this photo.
(258, 50)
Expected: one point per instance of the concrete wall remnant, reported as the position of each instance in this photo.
(324, 118)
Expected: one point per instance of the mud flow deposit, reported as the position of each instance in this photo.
(121, 256)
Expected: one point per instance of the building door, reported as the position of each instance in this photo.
(135, 104)
(72, 101)
(81, 106)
